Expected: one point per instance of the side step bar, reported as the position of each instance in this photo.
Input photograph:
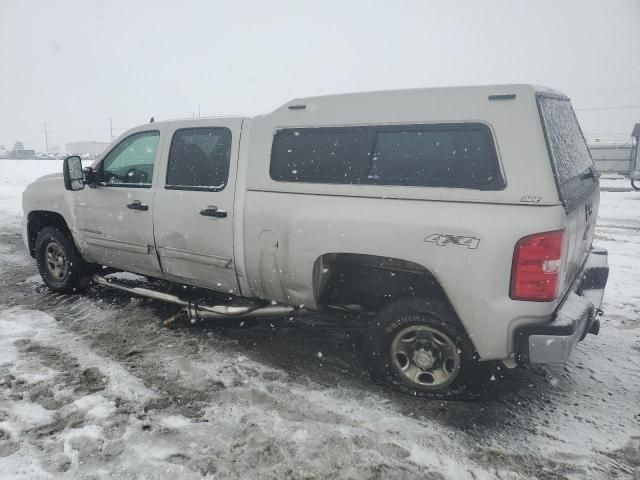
(199, 310)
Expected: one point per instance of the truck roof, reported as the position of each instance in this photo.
(431, 93)
(354, 98)
(189, 119)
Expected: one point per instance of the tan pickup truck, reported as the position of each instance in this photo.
(459, 219)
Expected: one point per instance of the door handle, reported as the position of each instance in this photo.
(138, 205)
(212, 211)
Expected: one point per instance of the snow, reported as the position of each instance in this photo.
(39, 327)
(175, 421)
(92, 386)
(28, 415)
(14, 176)
(96, 406)
(618, 231)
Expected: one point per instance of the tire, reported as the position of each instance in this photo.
(440, 361)
(60, 264)
(634, 186)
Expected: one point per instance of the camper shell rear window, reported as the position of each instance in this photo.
(570, 157)
(444, 155)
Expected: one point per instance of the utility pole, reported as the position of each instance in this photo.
(46, 138)
(111, 128)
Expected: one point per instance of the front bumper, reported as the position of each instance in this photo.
(575, 317)
(25, 234)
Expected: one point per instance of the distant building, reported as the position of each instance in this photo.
(22, 154)
(84, 148)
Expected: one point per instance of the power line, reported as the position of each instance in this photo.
(619, 107)
(613, 133)
(57, 132)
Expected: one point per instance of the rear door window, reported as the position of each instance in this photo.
(199, 159)
(446, 155)
(570, 157)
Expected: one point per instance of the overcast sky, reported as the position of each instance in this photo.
(75, 64)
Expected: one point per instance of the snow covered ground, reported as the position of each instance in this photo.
(93, 386)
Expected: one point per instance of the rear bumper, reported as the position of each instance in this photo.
(575, 317)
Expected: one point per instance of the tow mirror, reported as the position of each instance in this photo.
(72, 172)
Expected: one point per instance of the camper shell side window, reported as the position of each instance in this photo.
(434, 155)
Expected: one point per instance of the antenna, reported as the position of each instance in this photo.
(151, 121)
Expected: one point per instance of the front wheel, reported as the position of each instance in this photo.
(60, 264)
(419, 347)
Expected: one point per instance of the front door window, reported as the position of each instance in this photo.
(130, 163)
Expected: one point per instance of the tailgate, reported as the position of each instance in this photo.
(576, 179)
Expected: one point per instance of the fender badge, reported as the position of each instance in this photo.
(443, 239)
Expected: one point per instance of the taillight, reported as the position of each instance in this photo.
(535, 272)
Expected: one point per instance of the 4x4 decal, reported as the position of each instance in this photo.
(443, 239)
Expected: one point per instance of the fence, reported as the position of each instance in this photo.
(611, 158)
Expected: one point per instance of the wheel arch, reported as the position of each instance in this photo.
(39, 219)
(373, 281)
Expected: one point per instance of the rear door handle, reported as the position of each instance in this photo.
(213, 211)
(138, 205)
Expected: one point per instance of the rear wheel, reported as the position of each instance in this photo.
(635, 184)
(419, 347)
(60, 264)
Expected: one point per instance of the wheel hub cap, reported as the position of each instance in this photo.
(56, 260)
(425, 357)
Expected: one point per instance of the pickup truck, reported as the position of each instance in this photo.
(459, 220)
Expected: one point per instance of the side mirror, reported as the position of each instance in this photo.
(90, 177)
(72, 172)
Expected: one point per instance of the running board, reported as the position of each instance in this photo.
(199, 310)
